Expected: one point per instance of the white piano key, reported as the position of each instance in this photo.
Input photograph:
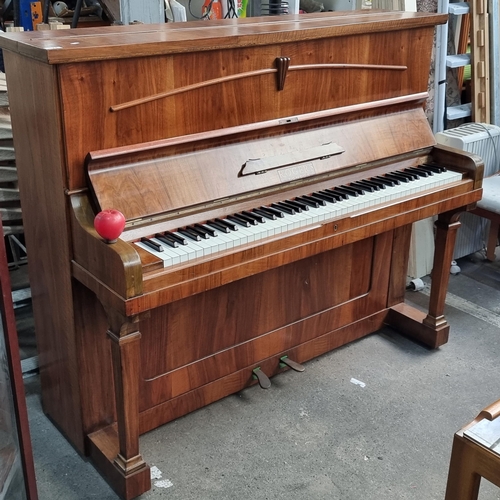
(166, 256)
(262, 230)
(198, 251)
(184, 255)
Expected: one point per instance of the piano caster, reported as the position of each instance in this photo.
(286, 361)
(261, 377)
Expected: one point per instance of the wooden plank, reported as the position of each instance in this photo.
(480, 60)
(90, 44)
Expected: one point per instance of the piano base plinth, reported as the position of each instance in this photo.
(103, 449)
(411, 322)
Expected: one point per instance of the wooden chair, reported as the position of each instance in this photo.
(471, 461)
(489, 208)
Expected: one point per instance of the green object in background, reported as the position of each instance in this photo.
(242, 8)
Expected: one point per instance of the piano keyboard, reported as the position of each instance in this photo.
(201, 240)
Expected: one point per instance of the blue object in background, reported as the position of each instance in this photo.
(25, 15)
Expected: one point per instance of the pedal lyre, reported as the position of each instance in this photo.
(286, 361)
(262, 378)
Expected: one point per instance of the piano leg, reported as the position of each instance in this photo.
(431, 329)
(446, 231)
(115, 449)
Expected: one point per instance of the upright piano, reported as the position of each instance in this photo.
(269, 170)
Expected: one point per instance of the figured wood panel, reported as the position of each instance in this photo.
(94, 359)
(208, 393)
(205, 324)
(167, 184)
(231, 103)
(39, 160)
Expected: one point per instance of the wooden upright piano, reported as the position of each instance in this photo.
(278, 163)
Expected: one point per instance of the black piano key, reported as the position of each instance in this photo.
(373, 184)
(283, 208)
(310, 201)
(408, 174)
(292, 206)
(386, 180)
(427, 169)
(220, 227)
(277, 213)
(257, 217)
(152, 244)
(300, 204)
(366, 186)
(319, 200)
(251, 220)
(420, 173)
(238, 220)
(176, 237)
(338, 196)
(379, 183)
(208, 230)
(227, 223)
(265, 213)
(202, 234)
(190, 233)
(346, 190)
(408, 171)
(339, 192)
(438, 169)
(324, 196)
(359, 189)
(354, 185)
(397, 177)
(168, 241)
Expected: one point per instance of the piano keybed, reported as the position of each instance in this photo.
(198, 240)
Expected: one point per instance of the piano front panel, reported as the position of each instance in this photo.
(202, 338)
(230, 103)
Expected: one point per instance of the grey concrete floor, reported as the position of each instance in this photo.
(318, 435)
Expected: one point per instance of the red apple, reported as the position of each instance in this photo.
(109, 224)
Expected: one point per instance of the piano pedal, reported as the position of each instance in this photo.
(286, 361)
(262, 378)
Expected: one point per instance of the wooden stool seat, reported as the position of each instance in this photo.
(470, 461)
(489, 208)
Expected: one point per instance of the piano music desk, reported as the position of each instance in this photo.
(306, 107)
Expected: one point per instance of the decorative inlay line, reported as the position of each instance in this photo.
(248, 74)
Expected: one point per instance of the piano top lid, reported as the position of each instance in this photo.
(90, 44)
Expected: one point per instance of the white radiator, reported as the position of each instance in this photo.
(483, 140)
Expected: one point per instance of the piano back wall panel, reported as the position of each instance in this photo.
(205, 109)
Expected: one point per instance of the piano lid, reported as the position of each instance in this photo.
(91, 44)
(226, 173)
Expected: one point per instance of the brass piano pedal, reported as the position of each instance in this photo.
(286, 361)
(262, 378)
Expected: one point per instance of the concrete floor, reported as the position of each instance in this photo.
(318, 435)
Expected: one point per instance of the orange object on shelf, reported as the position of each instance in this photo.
(212, 9)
